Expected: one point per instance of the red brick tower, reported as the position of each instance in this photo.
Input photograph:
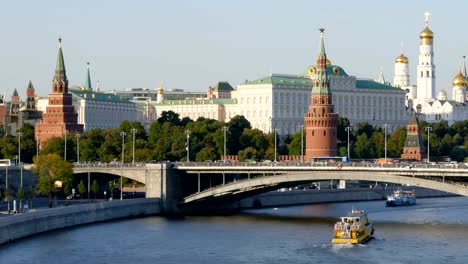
(30, 100)
(60, 116)
(414, 147)
(321, 121)
(15, 103)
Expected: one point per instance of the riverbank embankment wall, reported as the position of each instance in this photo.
(312, 196)
(22, 225)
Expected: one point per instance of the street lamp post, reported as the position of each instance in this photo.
(21, 168)
(428, 142)
(224, 130)
(7, 191)
(78, 148)
(188, 144)
(276, 130)
(37, 147)
(385, 135)
(133, 150)
(65, 143)
(348, 129)
(123, 134)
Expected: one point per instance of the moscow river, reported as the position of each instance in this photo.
(433, 231)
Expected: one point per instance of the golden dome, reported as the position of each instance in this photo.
(459, 80)
(402, 59)
(328, 62)
(426, 33)
(160, 90)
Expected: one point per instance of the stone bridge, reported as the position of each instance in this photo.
(253, 178)
(183, 184)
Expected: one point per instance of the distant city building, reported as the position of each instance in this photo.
(60, 116)
(19, 114)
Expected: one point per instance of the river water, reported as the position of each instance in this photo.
(433, 231)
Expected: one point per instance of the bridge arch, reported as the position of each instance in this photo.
(258, 185)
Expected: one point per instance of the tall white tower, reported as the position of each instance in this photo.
(160, 93)
(401, 78)
(426, 67)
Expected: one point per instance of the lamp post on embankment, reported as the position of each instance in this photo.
(123, 134)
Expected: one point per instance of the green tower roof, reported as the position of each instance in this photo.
(88, 78)
(60, 73)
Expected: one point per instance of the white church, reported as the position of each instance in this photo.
(422, 96)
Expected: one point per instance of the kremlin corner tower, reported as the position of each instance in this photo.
(60, 117)
(321, 120)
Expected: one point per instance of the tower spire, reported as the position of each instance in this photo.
(320, 84)
(88, 84)
(60, 77)
(382, 77)
(427, 14)
(322, 45)
(463, 67)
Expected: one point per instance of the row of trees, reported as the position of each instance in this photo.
(168, 138)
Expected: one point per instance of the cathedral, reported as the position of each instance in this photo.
(421, 97)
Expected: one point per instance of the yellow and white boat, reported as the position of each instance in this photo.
(353, 229)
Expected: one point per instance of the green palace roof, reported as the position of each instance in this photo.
(282, 79)
(301, 81)
(371, 84)
(97, 96)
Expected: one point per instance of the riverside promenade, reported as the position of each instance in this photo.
(17, 226)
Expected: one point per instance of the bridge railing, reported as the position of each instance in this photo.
(109, 165)
(324, 164)
(282, 163)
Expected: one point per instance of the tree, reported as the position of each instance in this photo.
(236, 126)
(28, 143)
(81, 189)
(30, 195)
(170, 117)
(364, 127)
(8, 147)
(90, 144)
(21, 195)
(459, 153)
(249, 154)
(95, 188)
(341, 133)
(50, 168)
(295, 146)
(111, 188)
(54, 145)
(362, 146)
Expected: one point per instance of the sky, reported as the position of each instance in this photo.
(192, 45)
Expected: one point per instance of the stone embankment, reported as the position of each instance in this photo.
(313, 196)
(34, 222)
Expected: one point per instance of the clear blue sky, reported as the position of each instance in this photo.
(193, 44)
